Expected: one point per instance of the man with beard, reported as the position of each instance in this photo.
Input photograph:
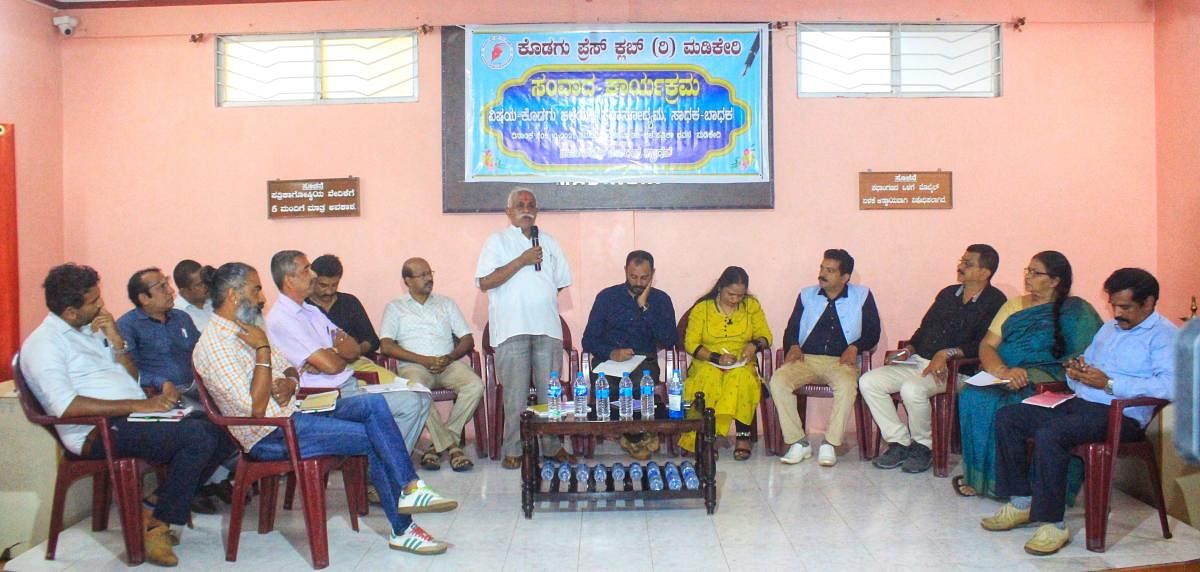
(428, 334)
(326, 356)
(831, 324)
(248, 377)
(628, 319)
(953, 326)
(1132, 355)
(77, 364)
(522, 272)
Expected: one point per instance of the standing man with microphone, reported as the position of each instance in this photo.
(523, 315)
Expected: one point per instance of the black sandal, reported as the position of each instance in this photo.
(961, 487)
(742, 450)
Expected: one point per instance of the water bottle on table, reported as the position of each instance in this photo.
(581, 392)
(600, 476)
(635, 473)
(547, 470)
(564, 473)
(675, 396)
(647, 395)
(554, 397)
(690, 479)
(654, 476)
(618, 475)
(674, 481)
(581, 475)
(602, 399)
(625, 397)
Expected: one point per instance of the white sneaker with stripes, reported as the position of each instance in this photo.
(424, 499)
(416, 541)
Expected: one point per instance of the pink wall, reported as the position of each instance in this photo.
(31, 98)
(1178, 138)
(153, 172)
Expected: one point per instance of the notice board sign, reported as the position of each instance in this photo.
(306, 198)
(889, 190)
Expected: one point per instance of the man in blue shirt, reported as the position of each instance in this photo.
(1131, 356)
(632, 318)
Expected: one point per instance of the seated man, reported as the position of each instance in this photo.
(344, 310)
(247, 377)
(421, 330)
(326, 356)
(953, 326)
(632, 318)
(831, 323)
(160, 341)
(1133, 355)
(77, 364)
(193, 291)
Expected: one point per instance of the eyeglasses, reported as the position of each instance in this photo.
(1032, 272)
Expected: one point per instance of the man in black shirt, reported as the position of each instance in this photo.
(343, 309)
(953, 326)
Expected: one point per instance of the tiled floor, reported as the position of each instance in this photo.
(769, 516)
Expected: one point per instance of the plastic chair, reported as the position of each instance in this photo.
(822, 390)
(1098, 459)
(313, 474)
(479, 421)
(945, 417)
(493, 394)
(125, 473)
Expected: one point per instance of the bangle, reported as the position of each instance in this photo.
(952, 352)
(266, 365)
(264, 346)
(124, 349)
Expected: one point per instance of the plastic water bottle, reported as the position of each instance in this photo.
(600, 475)
(554, 397)
(635, 472)
(654, 476)
(581, 474)
(674, 481)
(564, 473)
(690, 478)
(618, 474)
(581, 392)
(625, 397)
(603, 399)
(647, 395)
(675, 396)
(547, 470)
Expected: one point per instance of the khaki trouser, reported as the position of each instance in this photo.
(877, 387)
(468, 388)
(843, 379)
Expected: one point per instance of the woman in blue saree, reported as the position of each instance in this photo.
(1027, 342)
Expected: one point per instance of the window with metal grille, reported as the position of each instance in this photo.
(317, 68)
(898, 60)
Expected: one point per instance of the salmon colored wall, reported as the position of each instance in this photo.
(1178, 139)
(31, 99)
(154, 172)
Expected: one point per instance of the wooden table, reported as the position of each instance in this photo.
(697, 418)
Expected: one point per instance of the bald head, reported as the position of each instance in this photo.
(418, 277)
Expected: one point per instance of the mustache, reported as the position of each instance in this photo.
(1123, 320)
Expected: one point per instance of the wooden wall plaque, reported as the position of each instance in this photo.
(889, 190)
(306, 198)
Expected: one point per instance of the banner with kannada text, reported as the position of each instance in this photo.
(636, 103)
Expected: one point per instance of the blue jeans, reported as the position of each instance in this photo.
(361, 425)
(192, 449)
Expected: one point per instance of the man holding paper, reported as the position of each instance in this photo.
(1132, 355)
(326, 356)
(832, 322)
(632, 319)
(428, 334)
(953, 326)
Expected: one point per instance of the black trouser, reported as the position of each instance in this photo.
(192, 449)
(1054, 432)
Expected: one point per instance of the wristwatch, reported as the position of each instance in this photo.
(1108, 386)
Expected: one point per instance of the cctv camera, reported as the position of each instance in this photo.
(66, 24)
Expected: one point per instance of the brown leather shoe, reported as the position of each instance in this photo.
(511, 463)
(158, 546)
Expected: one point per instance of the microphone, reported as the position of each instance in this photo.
(533, 233)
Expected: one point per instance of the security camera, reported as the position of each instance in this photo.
(66, 24)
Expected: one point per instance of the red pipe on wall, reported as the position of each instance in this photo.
(10, 315)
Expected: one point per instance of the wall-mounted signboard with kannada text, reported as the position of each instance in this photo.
(307, 198)
(890, 190)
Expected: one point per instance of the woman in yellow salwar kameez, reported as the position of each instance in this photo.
(725, 327)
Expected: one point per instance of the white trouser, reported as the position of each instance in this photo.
(877, 387)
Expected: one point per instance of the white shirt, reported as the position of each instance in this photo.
(428, 329)
(198, 315)
(528, 302)
(61, 363)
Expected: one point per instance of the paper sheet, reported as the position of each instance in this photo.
(985, 379)
(619, 368)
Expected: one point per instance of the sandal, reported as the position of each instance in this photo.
(459, 461)
(511, 463)
(741, 451)
(431, 460)
(961, 487)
